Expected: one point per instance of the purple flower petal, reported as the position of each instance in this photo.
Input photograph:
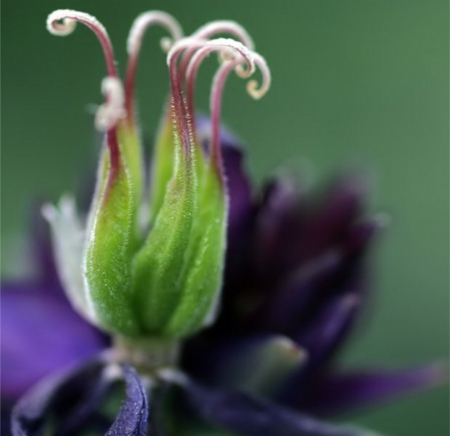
(279, 226)
(70, 403)
(340, 392)
(290, 305)
(246, 415)
(329, 224)
(40, 334)
(328, 329)
(68, 395)
(320, 339)
(132, 419)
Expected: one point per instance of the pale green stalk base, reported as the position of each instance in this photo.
(146, 355)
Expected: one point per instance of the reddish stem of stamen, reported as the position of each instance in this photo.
(142, 23)
(129, 86)
(104, 41)
(210, 30)
(194, 65)
(215, 107)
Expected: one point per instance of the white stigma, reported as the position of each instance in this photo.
(113, 110)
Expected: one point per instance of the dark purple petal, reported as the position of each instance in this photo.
(340, 209)
(70, 403)
(320, 340)
(286, 310)
(278, 228)
(132, 419)
(68, 395)
(328, 329)
(258, 364)
(40, 334)
(249, 416)
(340, 392)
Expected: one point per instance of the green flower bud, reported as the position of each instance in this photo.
(159, 277)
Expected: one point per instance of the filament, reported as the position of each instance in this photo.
(138, 29)
(228, 49)
(214, 28)
(62, 22)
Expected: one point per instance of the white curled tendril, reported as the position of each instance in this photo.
(256, 90)
(213, 29)
(227, 47)
(233, 55)
(229, 50)
(112, 111)
(62, 22)
(225, 26)
(147, 19)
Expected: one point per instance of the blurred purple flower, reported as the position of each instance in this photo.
(296, 280)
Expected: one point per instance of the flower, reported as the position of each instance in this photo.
(295, 278)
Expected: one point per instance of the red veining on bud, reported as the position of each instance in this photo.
(181, 116)
(134, 43)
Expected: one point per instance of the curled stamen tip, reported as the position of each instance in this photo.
(147, 19)
(225, 26)
(59, 24)
(254, 89)
(113, 110)
(62, 22)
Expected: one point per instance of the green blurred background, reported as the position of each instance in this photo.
(355, 82)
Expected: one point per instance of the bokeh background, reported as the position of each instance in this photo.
(356, 82)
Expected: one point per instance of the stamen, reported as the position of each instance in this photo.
(140, 25)
(215, 28)
(178, 104)
(228, 49)
(225, 26)
(243, 56)
(62, 22)
(215, 108)
(112, 111)
(147, 19)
